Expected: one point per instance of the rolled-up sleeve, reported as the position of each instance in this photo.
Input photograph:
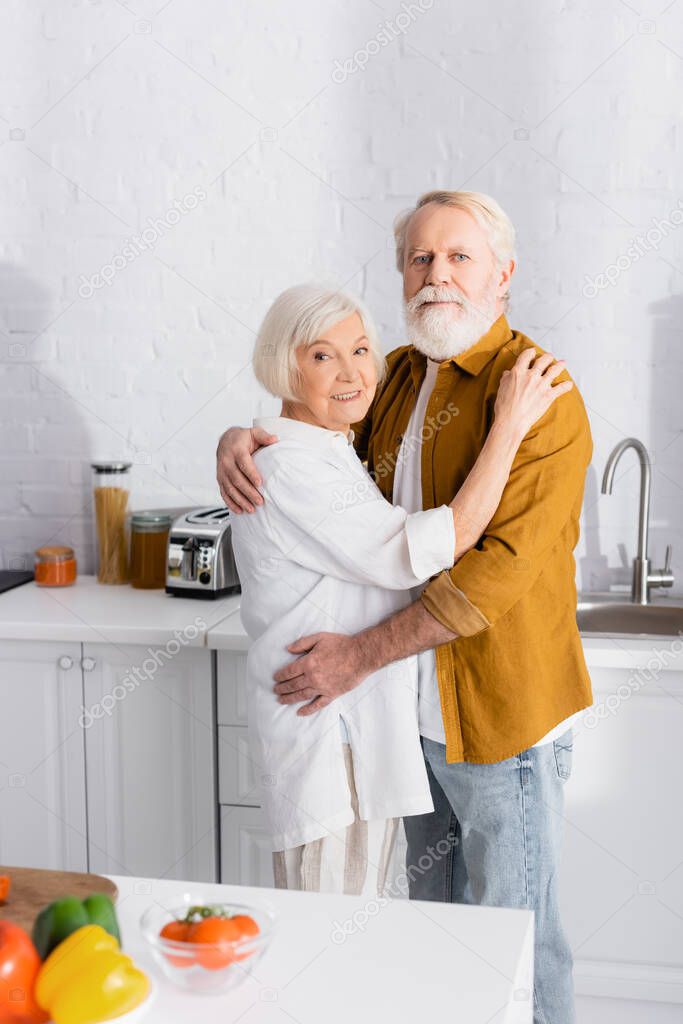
(430, 537)
(538, 504)
(338, 524)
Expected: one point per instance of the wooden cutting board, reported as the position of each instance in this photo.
(31, 889)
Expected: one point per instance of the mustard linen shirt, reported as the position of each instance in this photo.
(517, 668)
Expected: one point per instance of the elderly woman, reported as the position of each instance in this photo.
(325, 551)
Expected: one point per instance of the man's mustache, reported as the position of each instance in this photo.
(430, 294)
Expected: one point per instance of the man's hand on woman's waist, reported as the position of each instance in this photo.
(332, 664)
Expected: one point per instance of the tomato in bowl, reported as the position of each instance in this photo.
(204, 946)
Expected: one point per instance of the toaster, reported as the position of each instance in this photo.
(200, 561)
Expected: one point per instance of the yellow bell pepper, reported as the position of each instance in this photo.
(87, 979)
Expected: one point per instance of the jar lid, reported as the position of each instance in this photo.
(111, 467)
(54, 553)
(150, 522)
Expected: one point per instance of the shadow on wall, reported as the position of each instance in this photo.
(44, 479)
(595, 573)
(666, 435)
(48, 439)
(661, 391)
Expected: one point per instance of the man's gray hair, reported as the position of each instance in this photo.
(299, 317)
(484, 209)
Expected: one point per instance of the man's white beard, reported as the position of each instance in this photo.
(440, 332)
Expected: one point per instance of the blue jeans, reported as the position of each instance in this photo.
(504, 821)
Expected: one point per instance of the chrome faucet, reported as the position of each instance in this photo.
(643, 576)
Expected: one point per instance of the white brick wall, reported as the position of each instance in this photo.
(112, 111)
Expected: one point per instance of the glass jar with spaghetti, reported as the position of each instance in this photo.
(111, 489)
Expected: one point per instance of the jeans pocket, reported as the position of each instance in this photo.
(564, 748)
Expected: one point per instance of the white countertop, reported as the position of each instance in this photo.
(94, 612)
(406, 961)
(601, 652)
(229, 634)
(665, 653)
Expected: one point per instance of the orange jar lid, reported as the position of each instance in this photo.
(54, 553)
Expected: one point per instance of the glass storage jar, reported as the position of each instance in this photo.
(55, 566)
(111, 489)
(148, 549)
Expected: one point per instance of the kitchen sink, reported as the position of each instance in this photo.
(613, 615)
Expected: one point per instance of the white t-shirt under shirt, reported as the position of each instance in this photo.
(408, 494)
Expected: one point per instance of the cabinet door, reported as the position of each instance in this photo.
(150, 761)
(622, 870)
(246, 858)
(231, 669)
(237, 781)
(42, 774)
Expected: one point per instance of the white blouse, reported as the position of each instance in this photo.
(327, 553)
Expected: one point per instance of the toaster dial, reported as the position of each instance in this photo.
(204, 561)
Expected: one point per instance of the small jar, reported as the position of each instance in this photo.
(148, 549)
(55, 566)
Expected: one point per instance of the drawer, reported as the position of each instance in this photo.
(231, 683)
(237, 779)
(246, 858)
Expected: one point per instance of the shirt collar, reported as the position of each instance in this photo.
(472, 360)
(305, 433)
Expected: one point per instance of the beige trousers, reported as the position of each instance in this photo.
(355, 860)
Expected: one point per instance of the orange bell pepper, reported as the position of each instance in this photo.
(19, 965)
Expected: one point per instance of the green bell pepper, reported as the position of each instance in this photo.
(63, 917)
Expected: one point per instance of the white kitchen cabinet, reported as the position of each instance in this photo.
(245, 853)
(42, 773)
(622, 866)
(237, 776)
(231, 669)
(150, 761)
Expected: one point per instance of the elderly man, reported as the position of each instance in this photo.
(502, 672)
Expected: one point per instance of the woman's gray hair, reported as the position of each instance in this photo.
(299, 317)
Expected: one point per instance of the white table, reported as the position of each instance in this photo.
(347, 960)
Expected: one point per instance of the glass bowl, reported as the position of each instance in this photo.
(185, 963)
